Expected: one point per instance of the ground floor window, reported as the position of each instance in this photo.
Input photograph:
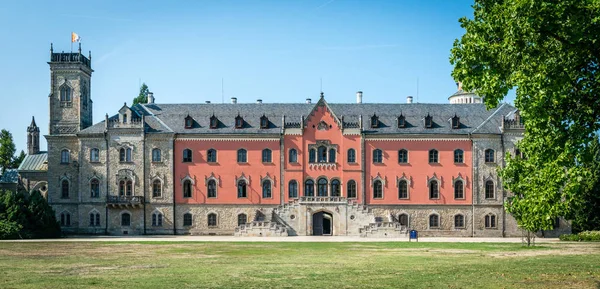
(242, 219)
(125, 219)
(187, 219)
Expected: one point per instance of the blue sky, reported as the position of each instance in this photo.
(274, 50)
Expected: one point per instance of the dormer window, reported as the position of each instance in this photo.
(428, 121)
(264, 122)
(455, 121)
(214, 121)
(189, 121)
(374, 121)
(124, 118)
(239, 121)
(401, 121)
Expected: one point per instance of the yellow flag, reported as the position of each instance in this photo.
(75, 37)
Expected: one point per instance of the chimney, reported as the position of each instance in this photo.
(409, 99)
(308, 100)
(259, 100)
(359, 97)
(233, 100)
(150, 97)
(207, 102)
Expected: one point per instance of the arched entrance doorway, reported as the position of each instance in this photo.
(322, 224)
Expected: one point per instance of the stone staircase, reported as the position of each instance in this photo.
(383, 230)
(261, 229)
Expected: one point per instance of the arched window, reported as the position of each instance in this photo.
(94, 219)
(459, 191)
(293, 189)
(212, 189)
(157, 219)
(129, 188)
(266, 189)
(377, 156)
(187, 219)
(212, 220)
(65, 93)
(64, 157)
(332, 155)
(125, 219)
(242, 219)
(122, 188)
(458, 156)
(459, 221)
(94, 188)
(351, 190)
(125, 155)
(187, 189)
(403, 219)
(64, 193)
(403, 156)
(266, 156)
(434, 190)
(241, 189)
(335, 188)
(312, 155)
(402, 189)
(322, 187)
(211, 156)
(490, 221)
(433, 156)
(187, 155)
(351, 156)
(322, 154)
(156, 155)
(94, 155)
(309, 188)
(242, 156)
(156, 189)
(434, 221)
(489, 156)
(489, 189)
(65, 219)
(377, 189)
(293, 156)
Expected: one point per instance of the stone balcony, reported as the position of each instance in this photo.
(322, 200)
(125, 201)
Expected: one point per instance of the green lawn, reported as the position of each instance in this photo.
(276, 265)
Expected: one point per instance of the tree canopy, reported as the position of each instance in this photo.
(548, 52)
(26, 216)
(143, 96)
(7, 150)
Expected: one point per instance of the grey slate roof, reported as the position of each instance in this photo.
(10, 176)
(36, 162)
(169, 118)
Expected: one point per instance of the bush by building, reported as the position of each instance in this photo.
(26, 216)
(589, 236)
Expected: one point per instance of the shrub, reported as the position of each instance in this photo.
(589, 236)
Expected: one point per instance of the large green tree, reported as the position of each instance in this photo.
(7, 150)
(17, 160)
(143, 96)
(586, 216)
(24, 215)
(548, 52)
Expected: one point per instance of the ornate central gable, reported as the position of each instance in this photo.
(322, 124)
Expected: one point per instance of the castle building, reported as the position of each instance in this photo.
(274, 169)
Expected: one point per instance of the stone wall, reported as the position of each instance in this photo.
(227, 217)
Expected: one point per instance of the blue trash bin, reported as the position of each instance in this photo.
(413, 234)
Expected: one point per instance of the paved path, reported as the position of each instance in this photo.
(277, 239)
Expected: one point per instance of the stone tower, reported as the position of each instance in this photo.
(70, 98)
(33, 138)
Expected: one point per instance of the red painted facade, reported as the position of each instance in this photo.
(324, 128)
